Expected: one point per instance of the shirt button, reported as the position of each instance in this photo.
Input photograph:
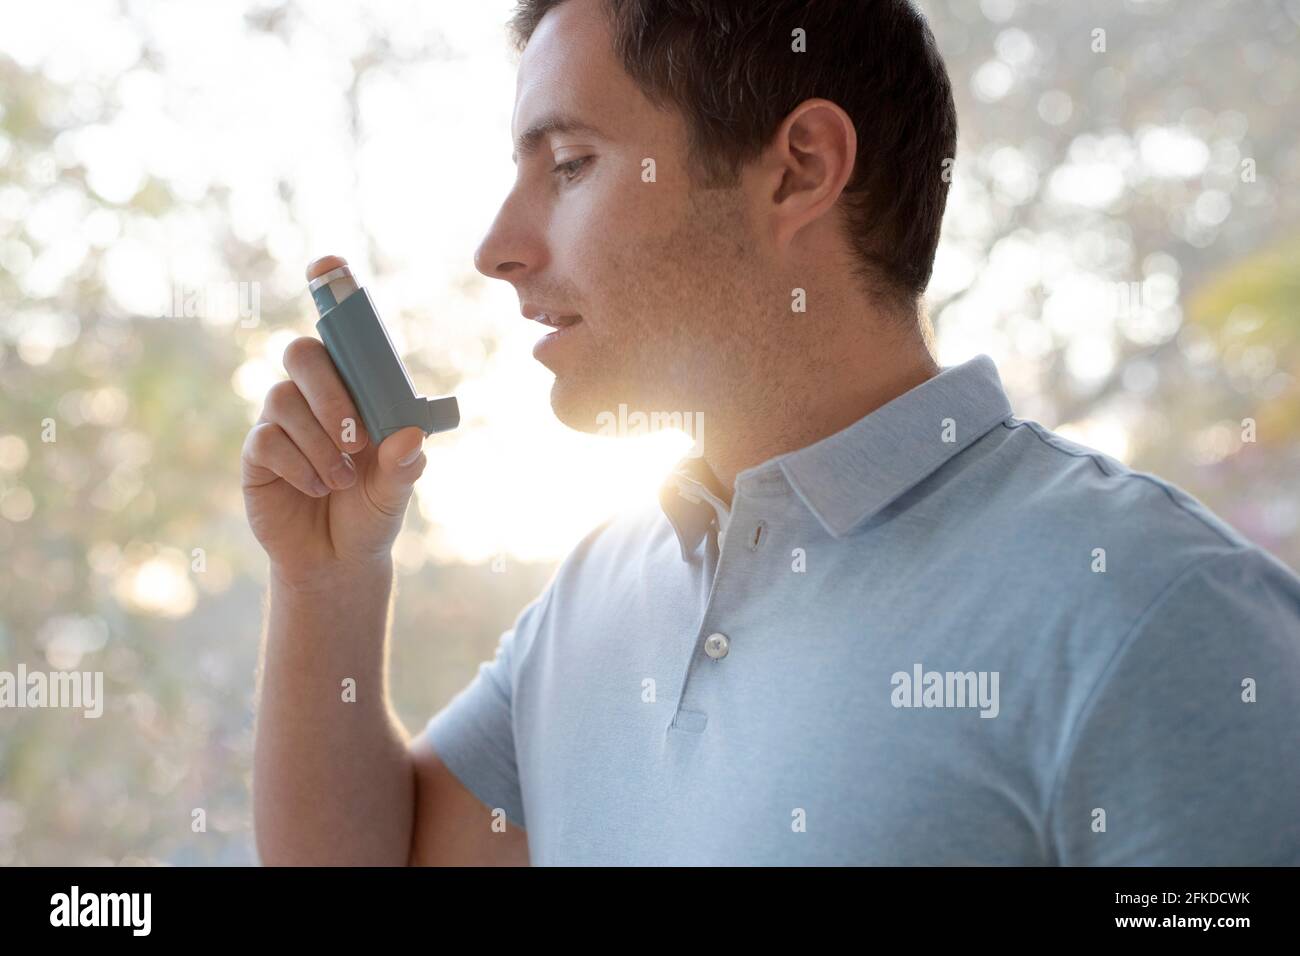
(716, 646)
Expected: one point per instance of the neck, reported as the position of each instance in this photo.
(810, 400)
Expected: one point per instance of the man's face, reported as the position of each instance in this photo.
(664, 276)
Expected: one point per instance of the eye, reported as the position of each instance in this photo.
(569, 171)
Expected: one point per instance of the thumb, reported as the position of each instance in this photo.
(400, 459)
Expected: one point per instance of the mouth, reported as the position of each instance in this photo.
(559, 331)
(555, 322)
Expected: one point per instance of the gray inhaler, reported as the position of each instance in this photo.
(365, 358)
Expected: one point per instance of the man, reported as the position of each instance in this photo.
(880, 621)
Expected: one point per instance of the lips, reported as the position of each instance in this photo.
(560, 330)
(557, 321)
(553, 318)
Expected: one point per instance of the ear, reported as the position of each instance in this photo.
(809, 162)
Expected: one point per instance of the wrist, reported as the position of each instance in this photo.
(336, 582)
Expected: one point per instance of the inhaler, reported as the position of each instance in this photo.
(363, 353)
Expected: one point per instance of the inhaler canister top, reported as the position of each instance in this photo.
(330, 281)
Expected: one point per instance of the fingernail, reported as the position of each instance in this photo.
(343, 474)
(414, 454)
(318, 487)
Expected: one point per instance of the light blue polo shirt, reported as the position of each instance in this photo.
(942, 635)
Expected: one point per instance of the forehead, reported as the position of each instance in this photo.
(569, 68)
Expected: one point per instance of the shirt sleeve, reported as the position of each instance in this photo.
(474, 733)
(1190, 743)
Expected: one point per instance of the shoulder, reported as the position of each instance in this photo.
(1072, 510)
(1066, 478)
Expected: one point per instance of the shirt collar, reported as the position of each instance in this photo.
(848, 476)
(690, 499)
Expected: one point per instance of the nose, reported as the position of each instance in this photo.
(512, 248)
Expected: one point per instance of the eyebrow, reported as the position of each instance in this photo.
(553, 125)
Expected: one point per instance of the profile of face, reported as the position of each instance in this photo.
(603, 222)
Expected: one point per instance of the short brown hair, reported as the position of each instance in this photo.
(730, 68)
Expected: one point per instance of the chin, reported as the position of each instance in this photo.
(577, 404)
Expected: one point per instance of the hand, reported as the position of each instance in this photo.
(322, 508)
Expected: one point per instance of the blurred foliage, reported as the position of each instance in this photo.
(101, 524)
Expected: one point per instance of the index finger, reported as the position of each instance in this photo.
(313, 371)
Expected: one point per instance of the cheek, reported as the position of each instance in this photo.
(633, 252)
(607, 234)
(580, 233)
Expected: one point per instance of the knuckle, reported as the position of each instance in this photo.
(301, 351)
(262, 439)
(282, 396)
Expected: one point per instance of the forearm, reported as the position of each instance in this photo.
(333, 782)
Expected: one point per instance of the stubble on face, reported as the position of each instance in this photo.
(685, 317)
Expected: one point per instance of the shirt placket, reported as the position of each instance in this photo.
(712, 644)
